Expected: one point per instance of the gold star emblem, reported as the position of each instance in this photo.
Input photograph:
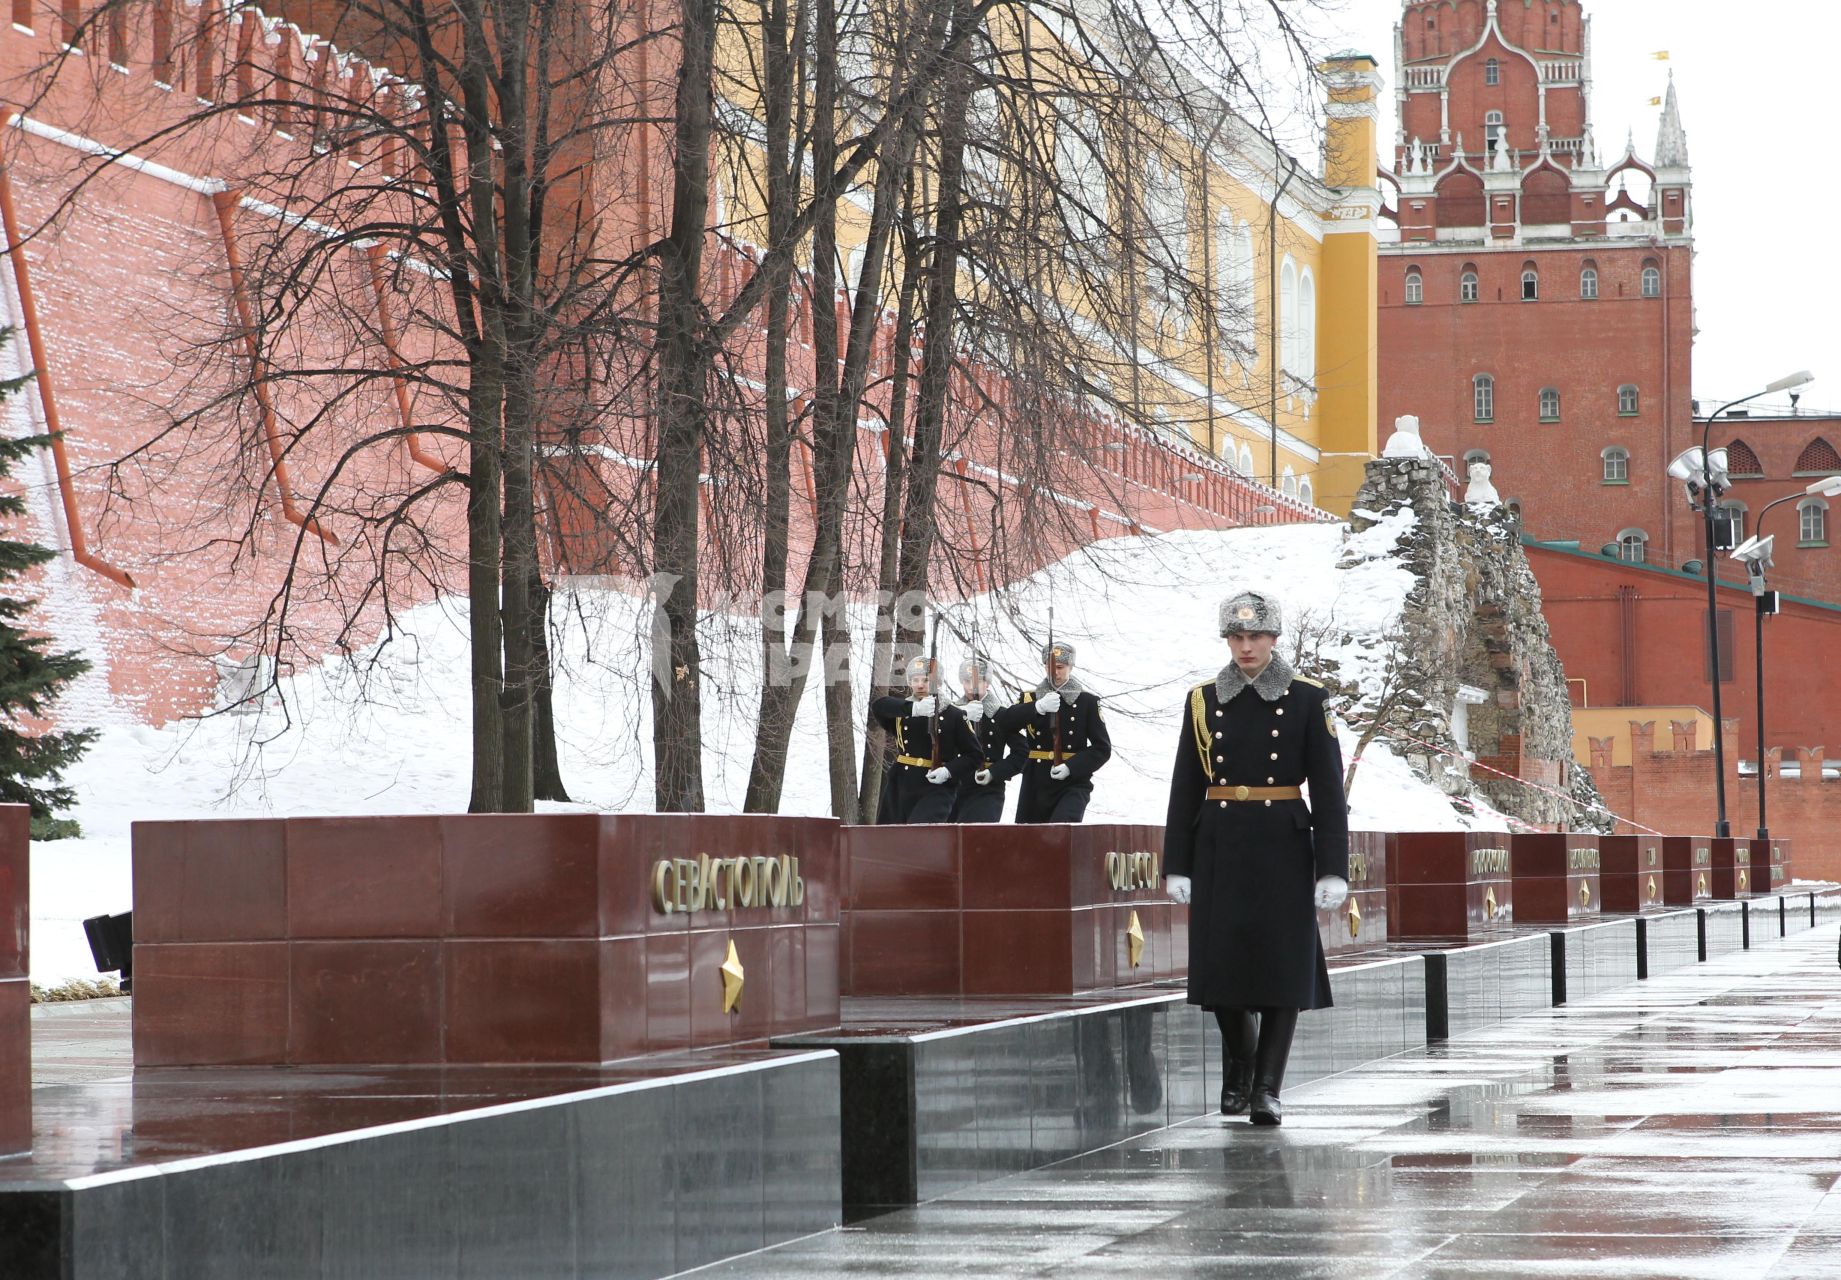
(1585, 894)
(1652, 888)
(1134, 940)
(1700, 886)
(1489, 903)
(1245, 613)
(732, 978)
(1741, 879)
(1355, 919)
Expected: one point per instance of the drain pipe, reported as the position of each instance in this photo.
(375, 255)
(47, 398)
(1274, 357)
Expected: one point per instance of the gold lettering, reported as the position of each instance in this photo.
(797, 896)
(1114, 875)
(686, 877)
(662, 889)
(1486, 862)
(1583, 859)
(706, 885)
(774, 876)
(741, 883)
(1358, 868)
(721, 884)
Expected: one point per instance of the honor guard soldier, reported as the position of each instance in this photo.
(1253, 861)
(917, 786)
(1066, 739)
(986, 758)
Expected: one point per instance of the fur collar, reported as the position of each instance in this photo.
(1069, 689)
(1270, 685)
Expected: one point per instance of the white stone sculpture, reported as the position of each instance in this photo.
(1480, 491)
(1405, 441)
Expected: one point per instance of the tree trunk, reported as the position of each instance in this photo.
(774, 723)
(546, 769)
(484, 398)
(683, 367)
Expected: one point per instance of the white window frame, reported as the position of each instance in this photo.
(1652, 281)
(1554, 394)
(1288, 315)
(1415, 288)
(1483, 398)
(1633, 546)
(1812, 523)
(1616, 465)
(1628, 394)
(1530, 277)
(1588, 284)
(1469, 287)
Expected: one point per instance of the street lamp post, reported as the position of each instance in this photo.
(1755, 554)
(1704, 473)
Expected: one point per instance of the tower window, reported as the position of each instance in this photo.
(1812, 523)
(1550, 404)
(1483, 393)
(1467, 287)
(1616, 465)
(1530, 284)
(1632, 546)
(1492, 72)
(1628, 402)
(1652, 281)
(1588, 282)
(1415, 289)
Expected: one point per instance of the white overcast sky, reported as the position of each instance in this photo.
(1756, 84)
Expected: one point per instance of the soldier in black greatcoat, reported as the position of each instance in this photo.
(1250, 857)
(1066, 739)
(987, 757)
(917, 786)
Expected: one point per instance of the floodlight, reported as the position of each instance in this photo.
(1755, 552)
(1687, 465)
(1717, 469)
(1801, 378)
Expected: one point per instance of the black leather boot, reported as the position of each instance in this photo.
(1275, 1028)
(1237, 1043)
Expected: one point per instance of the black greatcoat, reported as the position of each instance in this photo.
(984, 745)
(1086, 744)
(907, 796)
(1254, 864)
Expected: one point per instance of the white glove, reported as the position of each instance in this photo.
(1332, 892)
(923, 707)
(939, 776)
(1177, 887)
(974, 711)
(1048, 704)
(982, 777)
(1058, 772)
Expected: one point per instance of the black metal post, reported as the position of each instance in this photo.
(1721, 827)
(1764, 830)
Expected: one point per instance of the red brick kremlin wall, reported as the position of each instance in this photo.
(129, 280)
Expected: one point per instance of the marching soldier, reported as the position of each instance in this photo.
(985, 761)
(1066, 738)
(1252, 860)
(917, 786)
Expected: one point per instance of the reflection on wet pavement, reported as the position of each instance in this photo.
(1684, 1127)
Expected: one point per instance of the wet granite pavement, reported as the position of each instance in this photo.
(1687, 1126)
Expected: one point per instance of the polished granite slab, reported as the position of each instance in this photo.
(1722, 928)
(15, 987)
(1667, 941)
(1471, 987)
(1593, 958)
(642, 1169)
(939, 1094)
(1683, 1128)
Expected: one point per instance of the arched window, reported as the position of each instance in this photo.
(1492, 131)
(1288, 483)
(1234, 279)
(1616, 465)
(1415, 287)
(1588, 282)
(1812, 523)
(1530, 283)
(1652, 280)
(1307, 325)
(1628, 402)
(1492, 72)
(1483, 394)
(1082, 172)
(1467, 288)
(1741, 461)
(1306, 494)
(1550, 404)
(1288, 316)
(1818, 458)
(1728, 524)
(1246, 460)
(1632, 546)
(1474, 455)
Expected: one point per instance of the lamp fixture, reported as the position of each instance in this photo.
(1801, 378)
(1687, 465)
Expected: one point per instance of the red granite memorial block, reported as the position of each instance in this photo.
(1444, 885)
(479, 938)
(1687, 870)
(15, 985)
(1780, 864)
(1006, 910)
(1731, 875)
(1631, 873)
(1361, 922)
(1556, 877)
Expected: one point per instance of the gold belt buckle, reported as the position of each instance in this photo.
(1240, 793)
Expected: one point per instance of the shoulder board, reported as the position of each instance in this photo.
(1202, 688)
(1307, 680)
(1029, 695)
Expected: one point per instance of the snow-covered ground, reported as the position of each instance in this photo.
(389, 733)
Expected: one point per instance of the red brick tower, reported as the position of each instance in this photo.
(1537, 308)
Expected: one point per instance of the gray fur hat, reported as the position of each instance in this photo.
(919, 665)
(978, 665)
(1251, 611)
(1060, 651)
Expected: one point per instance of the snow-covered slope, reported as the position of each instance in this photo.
(389, 734)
